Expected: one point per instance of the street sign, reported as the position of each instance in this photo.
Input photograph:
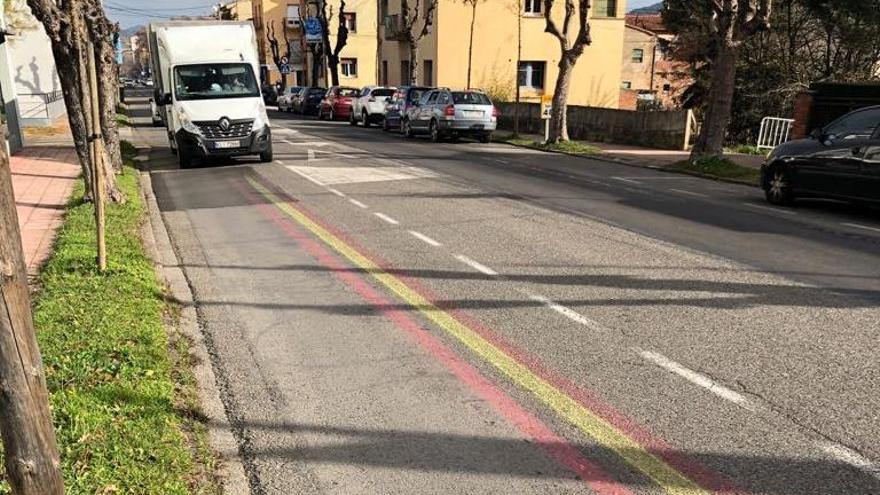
(546, 106)
(284, 68)
(313, 30)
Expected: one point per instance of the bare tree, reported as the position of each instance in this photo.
(732, 23)
(473, 5)
(332, 51)
(409, 16)
(570, 50)
(64, 23)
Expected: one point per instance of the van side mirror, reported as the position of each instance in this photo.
(164, 99)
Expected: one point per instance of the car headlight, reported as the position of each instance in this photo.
(188, 125)
(262, 120)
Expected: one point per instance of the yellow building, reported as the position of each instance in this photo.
(283, 21)
(444, 51)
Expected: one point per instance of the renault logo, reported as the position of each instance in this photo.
(224, 124)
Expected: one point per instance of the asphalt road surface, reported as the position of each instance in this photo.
(396, 316)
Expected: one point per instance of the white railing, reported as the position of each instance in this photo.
(774, 131)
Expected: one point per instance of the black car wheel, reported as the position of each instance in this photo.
(266, 156)
(332, 115)
(366, 119)
(777, 186)
(435, 132)
(351, 120)
(385, 125)
(485, 138)
(407, 129)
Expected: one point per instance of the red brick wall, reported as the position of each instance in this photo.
(628, 99)
(803, 105)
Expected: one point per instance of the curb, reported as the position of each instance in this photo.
(620, 161)
(230, 468)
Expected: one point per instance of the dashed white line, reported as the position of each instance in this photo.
(567, 312)
(424, 238)
(307, 143)
(386, 218)
(476, 266)
(697, 379)
(356, 203)
(682, 191)
(851, 457)
(336, 192)
(859, 226)
(624, 179)
(306, 176)
(767, 208)
(279, 162)
(311, 155)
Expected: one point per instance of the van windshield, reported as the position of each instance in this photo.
(210, 81)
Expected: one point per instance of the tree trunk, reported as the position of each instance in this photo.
(33, 466)
(413, 62)
(714, 129)
(107, 87)
(333, 66)
(471, 42)
(67, 62)
(559, 113)
(516, 73)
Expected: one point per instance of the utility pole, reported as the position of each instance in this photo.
(33, 466)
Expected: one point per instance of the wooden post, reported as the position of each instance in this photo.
(32, 463)
(97, 153)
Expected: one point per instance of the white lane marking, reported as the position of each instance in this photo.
(356, 203)
(311, 155)
(859, 226)
(279, 162)
(851, 457)
(682, 191)
(624, 179)
(567, 312)
(336, 192)
(305, 176)
(697, 379)
(476, 266)
(386, 218)
(424, 238)
(767, 208)
(307, 143)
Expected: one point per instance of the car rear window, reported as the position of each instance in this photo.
(415, 95)
(382, 92)
(348, 92)
(317, 91)
(470, 98)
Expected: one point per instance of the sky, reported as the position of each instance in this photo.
(130, 13)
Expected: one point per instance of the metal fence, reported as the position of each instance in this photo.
(40, 105)
(774, 131)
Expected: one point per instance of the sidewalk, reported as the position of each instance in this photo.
(651, 157)
(42, 180)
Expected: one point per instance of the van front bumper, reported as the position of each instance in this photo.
(258, 141)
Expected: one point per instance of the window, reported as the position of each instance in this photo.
(430, 97)
(443, 99)
(211, 81)
(383, 8)
(626, 85)
(470, 98)
(384, 73)
(855, 125)
(667, 87)
(428, 78)
(638, 55)
(605, 8)
(404, 73)
(531, 75)
(348, 67)
(350, 21)
(532, 7)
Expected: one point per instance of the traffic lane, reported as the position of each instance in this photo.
(740, 228)
(456, 218)
(332, 401)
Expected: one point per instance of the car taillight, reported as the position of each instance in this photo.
(449, 111)
(496, 112)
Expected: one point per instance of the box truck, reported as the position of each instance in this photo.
(206, 89)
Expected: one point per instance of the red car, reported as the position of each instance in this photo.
(337, 103)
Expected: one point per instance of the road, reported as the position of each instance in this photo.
(395, 316)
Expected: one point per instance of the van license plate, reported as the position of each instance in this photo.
(220, 145)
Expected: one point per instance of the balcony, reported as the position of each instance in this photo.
(393, 29)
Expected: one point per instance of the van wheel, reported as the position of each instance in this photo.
(183, 158)
(777, 186)
(366, 119)
(266, 156)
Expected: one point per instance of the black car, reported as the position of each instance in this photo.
(839, 161)
(308, 100)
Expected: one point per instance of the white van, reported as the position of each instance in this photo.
(206, 89)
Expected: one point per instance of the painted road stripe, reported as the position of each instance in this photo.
(307, 143)
(476, 266)
(568, 408)
(768, 208)
(698, 379)
(624, 179)
(424, 238)
(306, 176)
(336, 192)
(682, 191)
(859, 226)
(356, 203)
(851, 457)
(386, 218)
(567, 312)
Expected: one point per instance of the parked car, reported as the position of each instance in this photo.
(369, 107)
(443, 113)
(401, 102)
(284, 99)
(840, 161)
(337, 103)
(270, 94)
(307, 101)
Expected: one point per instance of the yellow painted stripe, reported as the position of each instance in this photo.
(599, 429)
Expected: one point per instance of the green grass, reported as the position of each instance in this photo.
(122, 115)
(745, 149)
(123, 398)
(720, 168)
(575, 147)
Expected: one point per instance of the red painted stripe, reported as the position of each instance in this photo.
(557, 448)
(706, 478)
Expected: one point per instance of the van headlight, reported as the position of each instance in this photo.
(188, 125)
(261, 121)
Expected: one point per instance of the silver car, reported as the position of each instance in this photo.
(443, 113)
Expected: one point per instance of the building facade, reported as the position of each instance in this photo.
(651, 76)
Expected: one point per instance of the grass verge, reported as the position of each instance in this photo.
(122, 115)
(719, 168)
(124, 401)
(745, 149)
(574, 147)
